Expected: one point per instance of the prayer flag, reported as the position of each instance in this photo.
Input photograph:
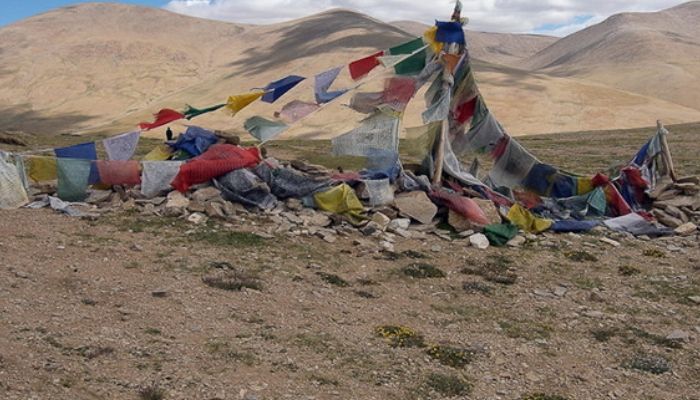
(120, 172)
(121, 147)
(163, 117)
(240, 101)
(323, 83)
(277, 89)
(264, 129)
(41, 168)
(449, 32)
(296, 110)
(85, 151)
(364, 66)
(192, 112)
(73, 178)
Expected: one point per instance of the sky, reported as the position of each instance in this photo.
(550, 17)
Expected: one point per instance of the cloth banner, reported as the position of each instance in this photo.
(412, 65)
(12, 192)
(296, 110)
(378, 131)
(277, 89)
(85, 151)
(439, 110)
(341, 200)
(122, 147)
(192, 112)
(244, 187)
(366, 103)
(264, 129)
(420, 141)
(526, 220)
(159, 153)
(430, 37)
(500, 234)
(482, 138)
(364, 66)
(398, 91)
(513, 167)
(323, 82)
(195, 140)
(157, 176)
(73, 178)
(119, 172)
(285, 183)
(240, 101)
(162, 117)
(41, 169)
(219, 160)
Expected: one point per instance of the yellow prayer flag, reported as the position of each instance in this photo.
(584, 185)
(41, 168)
(240, 101)
(430, 38)
(527, 221)
(159, 153)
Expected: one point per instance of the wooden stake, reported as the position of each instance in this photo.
(666, 151)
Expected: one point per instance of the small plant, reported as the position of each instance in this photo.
(152, 331)
(151, 392)
(334, 280)
(416, 255)
(542, 396)
(365, 294)
(477, 287)
(233, 281)
(448, 385)
(580, 256)
(605, 334)
(400, 336)
(423, 271)
(648, 363)
(90, 352)
(451, 356)
(628, 270)
(529, 330)
(654, 253)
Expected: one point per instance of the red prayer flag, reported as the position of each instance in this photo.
(219, 160)
(164, 116)
(119, 172)
(398, 91)
(362, 67)
(465, 111)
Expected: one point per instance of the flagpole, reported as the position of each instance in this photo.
(446, 79)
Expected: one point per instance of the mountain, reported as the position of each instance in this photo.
(103, 67)
(498, 48)
(654, 54)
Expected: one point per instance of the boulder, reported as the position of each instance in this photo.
(490, 210)
(686, 229)
(206, 194)
(480, 241)
(416, 205)
(382, 220)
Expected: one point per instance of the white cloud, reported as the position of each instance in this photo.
(561, 17)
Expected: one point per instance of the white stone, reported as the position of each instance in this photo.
(517, 241)
(197, 218)
(381, 220)
(610, 242)
(678, 335)
(480, 241)
(206, 194)
(399, 223)
(686, 229)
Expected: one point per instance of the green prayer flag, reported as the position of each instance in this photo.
(412, 65)
(500, 234)
(192, 112)
(407, 48)
(73, 176)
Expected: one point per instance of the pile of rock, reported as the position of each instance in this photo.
(677, 204)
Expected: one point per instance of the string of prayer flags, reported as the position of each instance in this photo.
(323, 82)
(162, 117)
(122, 147)
(277, 89)
(240, 101)
(192, 112)
(378, 131)
(363, 66)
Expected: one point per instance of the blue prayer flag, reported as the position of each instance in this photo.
(277, 89)
(85, 151)
(450, 32)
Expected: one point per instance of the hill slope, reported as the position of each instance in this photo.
(654, 54)
(106, 67)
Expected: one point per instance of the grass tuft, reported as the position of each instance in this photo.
(233, 281)
(423, 271)
(332, 279)
(400, 336)
(451, 356)
(448, 385)
(151, 392)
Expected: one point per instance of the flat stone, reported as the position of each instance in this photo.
(197, 218)
(461, 224)
(560, 291)
(490, 210)
(318, 219)
(159, 293)
(611, 242)
(196, 206)
(517, 241)
(694, 299)
(673, 248)
(480, 241)
(686, 229)
(371, 229)
(98, 196)
(382, 220)
(206, 194)
(436, 249)
(406, 234)
(399, 223)
(294, 204)
(215, 210)
(177, 200)
(679, 336)
(416, 205)
(387, 246)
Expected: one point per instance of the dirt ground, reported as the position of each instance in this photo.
(118, 309)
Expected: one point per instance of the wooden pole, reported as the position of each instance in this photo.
(666, 151)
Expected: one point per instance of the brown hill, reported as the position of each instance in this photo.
(106, 67)
(653, 54)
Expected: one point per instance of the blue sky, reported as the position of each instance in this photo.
(551, 17)
(15, 10)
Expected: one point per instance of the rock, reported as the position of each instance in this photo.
(517, 241)
(666, 219)
(231, 209)
(466, 234)
(327, 236)
(490, 210)
(136, 247)
(406, 234)
(159, 293)
(610, 242)
(399, 223)
(22, 275)
(387, 246)
(371, 229)
(480, 241)
(436, 249)
(416, 205)
(382, 220)
(293, 204)
(98, 196)
(560, 291)
(461, 224)
(128, 205)
(318, 219)
(673, 248)
(594, 314)
(686, 229)
(197, 218)
(215, 210)
(694, 299)
(196, 206)
(679, 336)
(206, 194)
(176, 200)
